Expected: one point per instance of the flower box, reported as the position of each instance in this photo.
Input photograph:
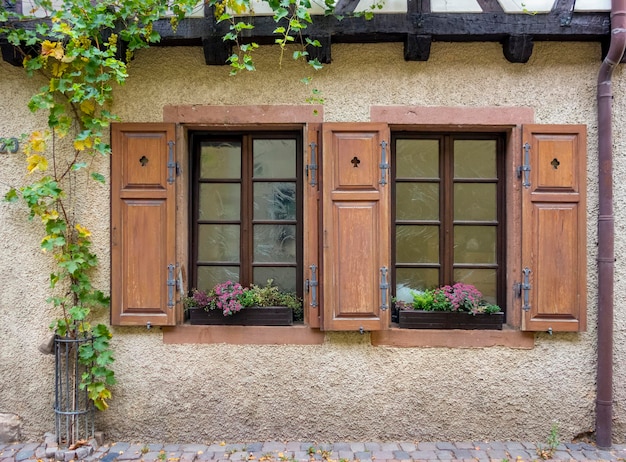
(418, 319)
(254, 316)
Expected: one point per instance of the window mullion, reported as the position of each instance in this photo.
(247, 211)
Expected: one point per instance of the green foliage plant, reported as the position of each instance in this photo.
(77, 55)
(457, 297)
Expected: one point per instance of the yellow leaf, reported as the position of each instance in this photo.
(54, 49)
(49, 215)
(88, 107)
(37, 162)
(58, 69)
(82, 231)
(81, 145)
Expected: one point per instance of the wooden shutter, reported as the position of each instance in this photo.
(554, 241)
(143, 186)
(355, 227)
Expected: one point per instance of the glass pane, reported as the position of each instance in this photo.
(475, 202)
(475, 244)
(408, 279)
(417, 244)
(210, 276)
(417, 158)
(483, 279)
(285, 278)
(274, 201)
(275, 243)
(219, 201)
(274, 158)
(218, 243)
(220, 159)
(417, 201)
(475, 159)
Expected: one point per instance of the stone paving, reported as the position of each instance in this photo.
(322, 452)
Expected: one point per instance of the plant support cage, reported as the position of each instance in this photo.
(74, 411)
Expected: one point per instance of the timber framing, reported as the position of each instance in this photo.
(417, 29)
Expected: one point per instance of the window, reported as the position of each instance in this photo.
(354, 228)
(448, 214)
(246, 209)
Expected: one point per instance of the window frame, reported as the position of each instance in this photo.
(247, 181)
(446, 222)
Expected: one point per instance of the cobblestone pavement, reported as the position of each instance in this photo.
(328, 452)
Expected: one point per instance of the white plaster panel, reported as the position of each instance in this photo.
(593, 5)
(524, 6)
(455, 6)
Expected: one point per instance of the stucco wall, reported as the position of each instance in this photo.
(345, 389)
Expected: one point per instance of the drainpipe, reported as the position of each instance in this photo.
(606, 226)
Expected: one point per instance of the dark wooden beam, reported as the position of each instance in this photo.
(11, 54)
(322, 54)
(517, 48)
(216, 50)
(490, 6)
(346, 6)
(417, 47)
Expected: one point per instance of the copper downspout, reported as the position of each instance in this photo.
(606, 226)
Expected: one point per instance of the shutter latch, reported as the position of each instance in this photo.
(523, 289)
(384, 165)
(172, 167)
(311, 285)
(171, 285)
(525, 167)
(384, 286)
(312, 167)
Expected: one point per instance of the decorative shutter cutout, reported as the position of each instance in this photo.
(554, 229)
(355, 227)
(143, 259)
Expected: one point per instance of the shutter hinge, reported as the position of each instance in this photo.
(384, 286)
(173, 168)
(311, 285)
(524, 169)
(171, 285)
(312, 167)
(384, 165)
(522, 289)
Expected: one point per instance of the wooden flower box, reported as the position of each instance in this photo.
(257, 316)
(416, 319)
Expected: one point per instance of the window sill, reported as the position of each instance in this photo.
(408, 338)
(243, 335)
(304, 335)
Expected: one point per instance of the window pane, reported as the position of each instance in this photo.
(275, 243)
(220, 159)
(219, 201)
(483, 279)
(274, 158)
(417, 201)
(475, 159)
(285, 278)
(275, 201)
(475, 244)
(415, 279)
(417, 159)
(475, 202)
(210, 276)
(218, 243)
(417, 244)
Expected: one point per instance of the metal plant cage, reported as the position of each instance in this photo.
(74, 411)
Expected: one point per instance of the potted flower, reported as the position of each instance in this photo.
(231, 304)
(457, 306)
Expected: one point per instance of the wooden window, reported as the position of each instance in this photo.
(246, 209)
(448, 216)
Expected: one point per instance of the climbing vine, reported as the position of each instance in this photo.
(82, 50)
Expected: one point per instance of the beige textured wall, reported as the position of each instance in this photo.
(344, 389)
